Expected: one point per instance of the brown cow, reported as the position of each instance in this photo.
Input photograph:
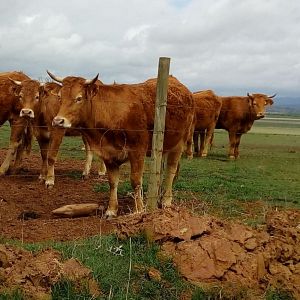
(20, 135)
(238, 115)
(207, 110)
(118, 122)
(39, 104)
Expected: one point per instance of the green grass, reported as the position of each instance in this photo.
(268, 172)
(112, 271)
(266, 175)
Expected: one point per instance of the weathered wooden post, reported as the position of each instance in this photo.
(158, 133)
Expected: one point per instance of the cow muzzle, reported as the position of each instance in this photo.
(27, 113)
(260, 115)
(61, 122)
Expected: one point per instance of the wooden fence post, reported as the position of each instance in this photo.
(158, 133)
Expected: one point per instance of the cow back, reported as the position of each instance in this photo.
(207, 109)
(131, 108)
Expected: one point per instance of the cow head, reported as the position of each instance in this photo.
(258, 103)
(75, 96)
(29, 93)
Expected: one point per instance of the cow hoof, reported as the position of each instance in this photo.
(204, 155)
(190, 157)
(231, 157)
(101, 173)
(166, 204)
(139, 211)
(110, 214)
(42, 178)
(49, 184)
(85, 176)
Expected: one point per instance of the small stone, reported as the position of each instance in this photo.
(251, 244)
(154, 274)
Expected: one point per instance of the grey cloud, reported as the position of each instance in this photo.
(228, 45)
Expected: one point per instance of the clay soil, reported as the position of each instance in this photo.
(26, 205)
(205, 249)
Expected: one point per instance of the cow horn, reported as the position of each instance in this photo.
(272, 96)
(91, 81)
(15, 81)
(58, 79)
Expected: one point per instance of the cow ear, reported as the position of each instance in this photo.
(15, 89)
(269, 101)
(91, 90)
(42, 91)
(250, 99)
(250, 96)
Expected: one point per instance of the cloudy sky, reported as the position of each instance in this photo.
(230, 46)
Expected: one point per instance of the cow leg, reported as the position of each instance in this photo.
(189, 143)
(17, 130)
(210, 142)
(88, 159)
(202, 142)
(208, 138)
(101, 167)
(25, 145)
(113, 173)
(136, 179)
(44, 145)
(237, 144)
(171, 171)
(56, 137)
(19, 156)
(196, 142)
(232, 136)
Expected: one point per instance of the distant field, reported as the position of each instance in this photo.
(277, 125)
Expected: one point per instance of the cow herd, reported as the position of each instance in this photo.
(116, 123)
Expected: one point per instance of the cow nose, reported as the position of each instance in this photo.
(260, 115)
(27, 112)
(58, 121)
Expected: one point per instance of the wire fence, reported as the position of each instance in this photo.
(268, 161)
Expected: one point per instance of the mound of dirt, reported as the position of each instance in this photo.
(35, 274)
(208, 250)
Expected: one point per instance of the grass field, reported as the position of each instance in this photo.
(267, 174)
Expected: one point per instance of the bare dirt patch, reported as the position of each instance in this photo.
(205, 249)
(35, 274)
(26, 205)
(208, 250)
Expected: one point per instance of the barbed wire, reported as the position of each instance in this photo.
(294, 121)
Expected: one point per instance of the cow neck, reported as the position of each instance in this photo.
(251, 111)
(90, 120)
(106, 104)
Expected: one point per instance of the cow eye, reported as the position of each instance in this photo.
(37, 97)
(78, 99)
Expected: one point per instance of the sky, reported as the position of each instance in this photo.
(230, 46)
